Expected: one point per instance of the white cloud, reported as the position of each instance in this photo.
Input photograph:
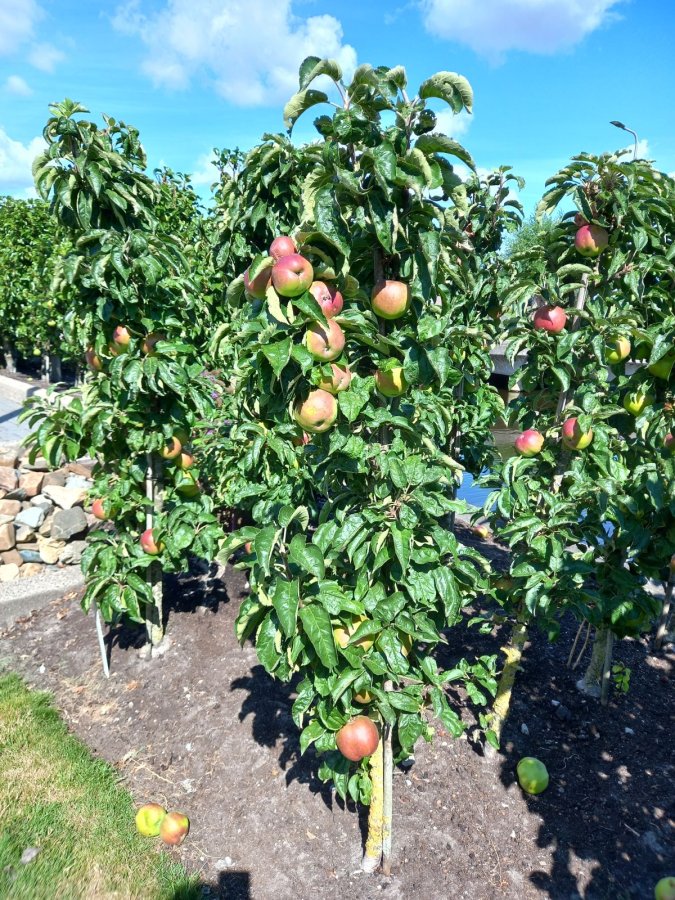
(16, 160)
(44, 56)
(17, 21)
(205, 173)
(249, 49)
(17, 86)
(493, 27)
(453, 125)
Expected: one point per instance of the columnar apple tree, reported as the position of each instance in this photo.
(133, 304)
(32, 314)
(348, 360)
(587, 503)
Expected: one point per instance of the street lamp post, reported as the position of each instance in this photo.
(630, 131)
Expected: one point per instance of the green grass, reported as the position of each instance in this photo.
(54, 795)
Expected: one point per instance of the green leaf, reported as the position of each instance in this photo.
(441, 143)
(310, 734)
(454, 89)
(278, 354)
(311, 67)
(308, 556)
(316, 623)
(285, 600)
(263, 545)
(265, 643)
(300, 103)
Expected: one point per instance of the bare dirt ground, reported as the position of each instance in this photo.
(203, 729)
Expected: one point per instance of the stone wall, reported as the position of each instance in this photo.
(42, 518)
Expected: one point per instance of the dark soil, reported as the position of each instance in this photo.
(203, 729)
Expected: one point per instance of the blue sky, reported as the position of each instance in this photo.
(547, 75)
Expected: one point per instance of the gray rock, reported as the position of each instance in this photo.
(24, 535)
(17, 494)
(30, 556)
(42, 502)
(6, 519)
(71, 555)
(78, 481)
(68, 522)
(29, 855)
(65, 497)
(32, 517)
(57, 479)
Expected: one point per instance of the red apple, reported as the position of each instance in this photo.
(148, 543)
(390, 299)
(121, 338)
(329, 298)
(573, 437)
(339, 380)
(302, 440)
(98, 509)
(149, 819)
(174, 828)
(282, 246)
(325, 342)
(591, 240)
(292, 275)
(93, 360)
(550, 318)
(529, 443)
(258, 286)
(672, 563)
(151, 340)
(358, 738)
(317, 413)
(391, 383)
(669, 442)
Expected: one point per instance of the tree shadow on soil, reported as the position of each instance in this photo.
(269, 702)
(201, 587)
(231, 885)
(611, 800)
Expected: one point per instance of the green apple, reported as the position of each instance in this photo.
(149, 819)
(532, 775)
(665, 888)
(635, 402)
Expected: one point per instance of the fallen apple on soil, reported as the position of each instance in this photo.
(532, 775)
(149, 819)
(174, 828)
(665, 888)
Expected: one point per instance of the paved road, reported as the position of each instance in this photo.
(11, 432)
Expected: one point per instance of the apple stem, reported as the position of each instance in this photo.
(373, 850)
(153, 493)
(607, 668)
(662, 626)
(387, 793)
(513, 655)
